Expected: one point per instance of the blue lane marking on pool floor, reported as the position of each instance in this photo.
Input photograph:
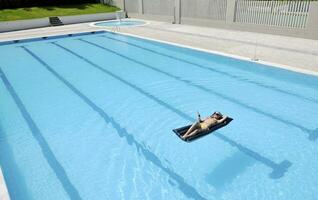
(311, 133)
(11, 172)
(278, 169)
(261, 158)
(187, 189)
(213, 70)
(180, 113)
(46, 150)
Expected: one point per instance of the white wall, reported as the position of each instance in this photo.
(87, 18)
(206, 9)
(221, 14)
(23, 24)
(312, 24)
(159, 7)
(44, 22)
(132, 6)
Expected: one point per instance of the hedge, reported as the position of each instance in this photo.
(32, 3)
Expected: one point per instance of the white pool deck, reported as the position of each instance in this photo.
(291, 53)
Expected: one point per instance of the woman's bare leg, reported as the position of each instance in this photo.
(191, 129)
(194, 132)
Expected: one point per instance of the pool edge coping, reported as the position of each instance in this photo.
(93, 24)
(266, 63)
(4, 194)
(49, 37)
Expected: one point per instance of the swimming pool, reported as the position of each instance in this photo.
(122, 23)
(90, 116)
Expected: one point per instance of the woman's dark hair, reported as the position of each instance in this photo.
(217, 114)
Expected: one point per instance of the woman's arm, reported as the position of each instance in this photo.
(199, 118)
(222, 120)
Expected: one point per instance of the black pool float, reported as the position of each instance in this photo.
(181, 131)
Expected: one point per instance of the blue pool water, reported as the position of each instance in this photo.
(120, 23)
(91, 117)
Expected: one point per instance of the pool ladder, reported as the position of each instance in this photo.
(119, 16)
(115, 29)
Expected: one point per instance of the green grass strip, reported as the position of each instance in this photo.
(63, 10)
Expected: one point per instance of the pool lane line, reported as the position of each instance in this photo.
(10, 165)
(45, 148)
(278, 169)
(180, 113)
(312, 134)
(184, 187)
(239, 78)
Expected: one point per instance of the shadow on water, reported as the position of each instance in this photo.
(313, 135)
(187, 189)
(47, 152)
(233, 76)
(14, 179)
(278, 169)
(202, 88)
(226, 171)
